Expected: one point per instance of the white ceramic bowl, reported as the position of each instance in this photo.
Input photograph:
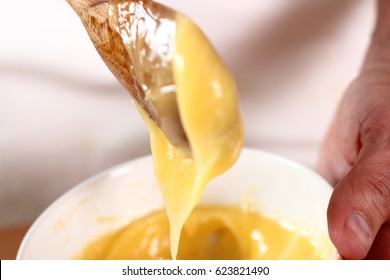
(276, 187)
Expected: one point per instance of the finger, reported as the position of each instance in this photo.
(332, 164)
(360, 204)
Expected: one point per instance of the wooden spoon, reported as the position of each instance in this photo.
(129, 36)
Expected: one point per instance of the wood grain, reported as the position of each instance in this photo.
(95, 16)
(109, 44)
(10, 239)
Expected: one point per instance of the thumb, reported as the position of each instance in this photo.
(360, 204)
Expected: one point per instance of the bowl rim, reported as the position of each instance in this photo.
(82, 184)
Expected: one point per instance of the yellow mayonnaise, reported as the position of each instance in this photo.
(210, 233)
(208, 107)
(192, 96)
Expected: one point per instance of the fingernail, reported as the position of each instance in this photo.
(358, 227)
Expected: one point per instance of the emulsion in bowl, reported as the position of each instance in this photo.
(260, 191)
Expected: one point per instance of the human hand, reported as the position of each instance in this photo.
(355, 158)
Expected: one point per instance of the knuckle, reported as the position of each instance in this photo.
(378, 196)
(375, 128)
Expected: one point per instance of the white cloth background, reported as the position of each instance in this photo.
(63, 116)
